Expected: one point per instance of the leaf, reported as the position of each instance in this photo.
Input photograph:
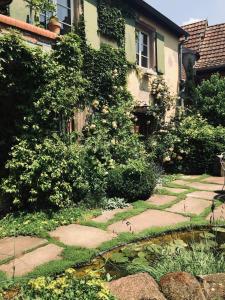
(142, 254)
(119, 258)
(207, 235)
(140, 261)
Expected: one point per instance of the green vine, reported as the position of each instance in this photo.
(111, 21)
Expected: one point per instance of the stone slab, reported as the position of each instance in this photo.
(18, 245)
(81, 236)
(190, 177)
(27, 262)
(148, 219)
(204, 186)
(203, 195)
(109, 214)
(216, 180)
(161, 199)
(190, 205)
(175, 190)
(218, 215)
(180, 182)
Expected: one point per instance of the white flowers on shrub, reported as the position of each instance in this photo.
(114, 125)
(95, 103)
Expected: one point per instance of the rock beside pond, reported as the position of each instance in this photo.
(136, 287)
(214, 286)
(181, 286)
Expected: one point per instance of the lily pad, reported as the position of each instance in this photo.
(119, 258)
(207, 235)
(140, 261)
(219, 229)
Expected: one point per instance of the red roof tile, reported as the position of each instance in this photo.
(209, 41)
(197, 33)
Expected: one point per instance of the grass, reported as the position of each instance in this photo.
(39, 223)
(73, 256)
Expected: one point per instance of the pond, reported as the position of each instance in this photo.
(198, 252)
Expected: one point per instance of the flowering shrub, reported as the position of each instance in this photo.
(189, 145)
(66, 286)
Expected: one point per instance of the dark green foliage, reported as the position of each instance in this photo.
(190, 87)
(111, 21)
(133, 181)
(189, 146)
(210, 100)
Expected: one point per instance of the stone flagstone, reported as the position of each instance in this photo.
(190, 177)
(216, 180)
(203, 195)
(147, 219)
(175, 190)
(109, 214)
(218, 215)
(21, 244)
(205, 187)
(27, 262)
(161, 199)
(81, 236)
(190, 205)
(181, 182)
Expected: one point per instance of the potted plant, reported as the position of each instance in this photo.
(38, 6)
(54, 25)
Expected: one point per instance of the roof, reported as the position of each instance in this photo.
(196, 34)
(154, 14)
(209, 41)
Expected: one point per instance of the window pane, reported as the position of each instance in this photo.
(65, 29)
(64, 2)
(64, 14)
(144, 38)
(145, 51)
(144, 62)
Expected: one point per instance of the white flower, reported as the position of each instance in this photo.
(105, 111)
(113, 142)
(179, 157)
(104, 121)
(93, 126)
(167, 159)
(95, 103)
(114, 125)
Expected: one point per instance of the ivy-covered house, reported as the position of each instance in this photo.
(150, 39)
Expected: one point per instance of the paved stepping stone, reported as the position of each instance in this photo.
(161, 199)
(27, 262)
(175, 190)
(190, 205)
(180, 182)
(147, 219)
(216, 180)
(218, 215)
(205, 187)
(81, 236)
(190, 177)
(18, 245)
(109, 214)
(203, 195)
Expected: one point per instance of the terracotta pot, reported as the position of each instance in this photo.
(54, 25)
(5, 2)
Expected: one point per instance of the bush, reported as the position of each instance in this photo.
(46, 174)
(210, 100)
(190, 146)
(66, 286)
(134, 181)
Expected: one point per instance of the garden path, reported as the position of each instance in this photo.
(179, 202)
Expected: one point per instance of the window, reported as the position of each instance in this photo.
(64, 14)
(143, 49)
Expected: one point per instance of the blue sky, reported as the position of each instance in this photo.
(182, 11)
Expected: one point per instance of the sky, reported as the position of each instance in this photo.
(187, 11)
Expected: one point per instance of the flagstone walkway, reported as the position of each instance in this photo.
(174, 204)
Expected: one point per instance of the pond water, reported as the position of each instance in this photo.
(147, 254)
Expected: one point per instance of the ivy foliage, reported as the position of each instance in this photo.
(49, 167)
(111, 21)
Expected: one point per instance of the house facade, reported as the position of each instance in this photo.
(152, 42)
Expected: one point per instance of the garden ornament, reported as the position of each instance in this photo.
(222, 162)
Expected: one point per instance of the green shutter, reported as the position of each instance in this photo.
(160, 53)
(91, 23)
(130, 40)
